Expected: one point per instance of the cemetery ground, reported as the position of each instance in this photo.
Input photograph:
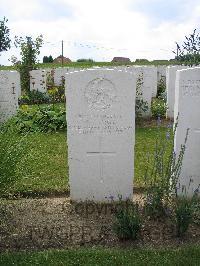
(44, 170)
(38, 215)
(99, 256)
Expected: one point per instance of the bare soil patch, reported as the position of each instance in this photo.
(37, 224)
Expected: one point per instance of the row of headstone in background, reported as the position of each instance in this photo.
(146, 82)
(187, 108)
(37, 76)
(10, 90)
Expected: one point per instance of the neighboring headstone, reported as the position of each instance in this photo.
(59, 75)
(151, 73)
(187, 105)
(161, 73)
(101, 133)
(9, 91)
(170, 88)
(147, 84)
(38, 80)
(49, 77)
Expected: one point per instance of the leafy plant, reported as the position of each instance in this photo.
(57, 94)
(34, 97)
(127, 224)
(158, 108)
(189, 52)
(41, 119)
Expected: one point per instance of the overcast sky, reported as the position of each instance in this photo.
(102, 29)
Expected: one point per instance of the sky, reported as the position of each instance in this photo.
(101, 29)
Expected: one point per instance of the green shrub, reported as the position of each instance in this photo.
(54, 94)
(34, 97)
(143, 60)
(13, 147)
(196, 212)
(183, 215)
(127, 224)
(89, 60)
(41, 119)
(158, 108)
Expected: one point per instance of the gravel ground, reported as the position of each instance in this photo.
(38, 224)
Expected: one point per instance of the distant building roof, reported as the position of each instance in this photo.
(121, 59)
(59, 60)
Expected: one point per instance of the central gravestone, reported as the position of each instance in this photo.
(101, 128)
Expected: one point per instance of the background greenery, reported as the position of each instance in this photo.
(90, 64)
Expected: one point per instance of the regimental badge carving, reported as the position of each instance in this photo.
(100, 93)
(3, 79)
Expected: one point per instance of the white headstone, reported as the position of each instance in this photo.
(101, 133)
(9, 91)
(187, 105)
(161, 73)
(147, 82)
(59, 75)
(38, 80)
(170, 88)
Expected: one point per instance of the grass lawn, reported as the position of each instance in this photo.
(177, 256)
(45, 169)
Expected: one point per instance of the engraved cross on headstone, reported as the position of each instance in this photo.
(101, 154)
(13, 88)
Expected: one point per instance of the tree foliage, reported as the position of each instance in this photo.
(4, 35)
(47, 59)
(30, 49)
(189, 52)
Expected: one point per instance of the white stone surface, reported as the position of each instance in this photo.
(146, 79)
(101, 134)
(187, 105)
(170, 88)
(9, 92)
(38, 80)
(59, 74)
